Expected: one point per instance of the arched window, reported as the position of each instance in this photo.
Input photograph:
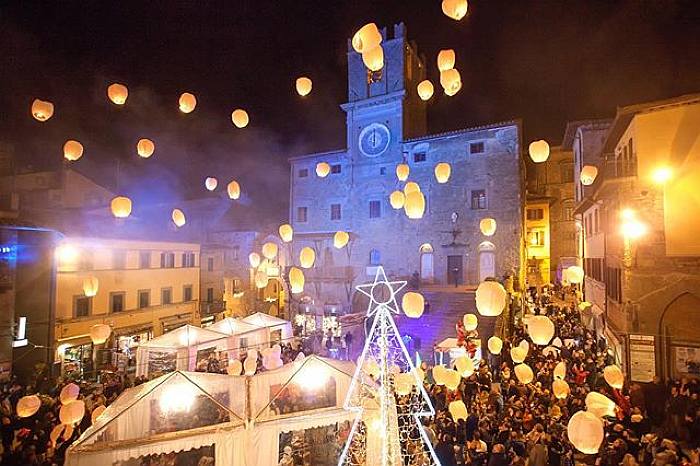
(375, 257)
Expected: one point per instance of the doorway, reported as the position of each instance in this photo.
(680, 331)
(427, 273)
(455, 270)
(487, 260)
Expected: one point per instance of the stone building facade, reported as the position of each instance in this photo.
(386, 123)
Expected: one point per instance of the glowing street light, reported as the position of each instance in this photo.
(67, 253)
(633, 228)
(661, 175)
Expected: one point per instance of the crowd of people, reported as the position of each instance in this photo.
(513, 424)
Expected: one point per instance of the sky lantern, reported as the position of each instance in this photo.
(470, 322)
(97, 412)
(211, 183)
(72, 413)
(575, 274)
(187, 102)
(464, 365)
(588, 174)
(490, 298)
(72, 150)
(442, 172)
(585, 432)
(524, 345)
(254, 259)
(560, 389)
(518, 354)
(614, 376)
(446, 60)
(539, 151)
(42, 110)
(235, 367)
(451, 81)
(411, 187)
(28, 405)
(90, 286)
(414, 205)
(99, 333)
(286, 232)
(121, 207)
(117, 93)
(397, 199)
(250, 365)
(374, 58)
(296, 279)
(240, 118)
(458, 410)
(487, 226)
(600, 405)
(541, 330)
(402, 171)
(524, 373)
(495, 345)
(439, 374)
(234, 190)
(261, 279)
(307, 257)
(455, 9)
(560, 370)
(425, 89)
(69, 393)
(304, 86)
(340, 239)
(323, 169)
(452, 379)
(403, 383)
(178, 217)
(366, 38)
(145, 148)
(413, 304)
(269, 250)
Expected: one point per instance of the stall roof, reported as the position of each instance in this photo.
(264, 320)
(234, 326)
(184, 336)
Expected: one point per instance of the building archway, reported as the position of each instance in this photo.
(487, 260)
(427, 268)
(679, 328)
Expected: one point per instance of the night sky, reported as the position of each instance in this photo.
(547, 62)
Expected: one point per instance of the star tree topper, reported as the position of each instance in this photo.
(381, 293)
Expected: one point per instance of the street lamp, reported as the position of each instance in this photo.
(661, 175)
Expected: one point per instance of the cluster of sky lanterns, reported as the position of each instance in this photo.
(367, 42)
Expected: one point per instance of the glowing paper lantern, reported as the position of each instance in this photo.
(446, 60)
(250, 365)
(451, 81)
(366, 38)
(28, 405)
(90, 286)
(240, 118)
(121, 207)
(540, 329)
(403, 383)
(518, 354)
(439, 375)
(42, 110)
(211, 183)
(374, 58)
(69, 393)
(254, 259)
(425, 89)
(145, 148)
(117, 93)
(600, 405)
(585, 432)
(455, 9)
(411, 187)
(413, 304)
(303, 85)
(296, 279)
(420, 373)
(56, 433)
(539, 151)
(187, 102)
(560, 370)
(178, 217)
(234, 190)
(470, 322)
(402, 171)
(458, 410)
(261, 279)
(414, 206)
(490, 298)
(235, 367)
(72, 150)
(397, 199)
(323, 169)
(524, 345)
(452, 379)
(99, 333)
(72, 413)
(557, 343)
(442, 172)
(487, 226)
(340, 239)
(464, 365)
(96, 413)
(614, 377)
(286, 232)
(269, 250)
(495, 345)
(588, 174)
(307, 256)
(524, 373)
(560, 389)
(575, 274)
(272, 362)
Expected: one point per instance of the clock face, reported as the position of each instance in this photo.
(374, 139)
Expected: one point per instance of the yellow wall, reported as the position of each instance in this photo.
(535, 251)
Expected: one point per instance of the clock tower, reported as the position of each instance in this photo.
(383, 107)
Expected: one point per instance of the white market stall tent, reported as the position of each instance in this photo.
(245, 335)
(273, 325)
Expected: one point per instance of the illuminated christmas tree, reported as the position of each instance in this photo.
(386, 391)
